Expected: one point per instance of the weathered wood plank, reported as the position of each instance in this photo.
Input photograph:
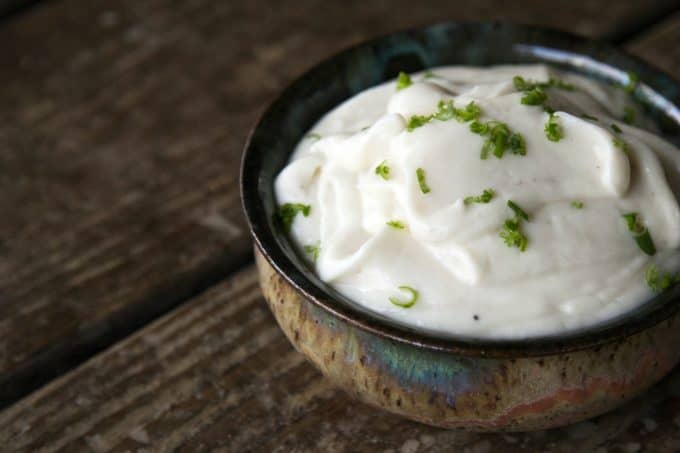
(218, 374)
(118, 179)
(120, 131)
(659, 45)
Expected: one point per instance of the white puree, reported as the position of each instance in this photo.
(580, 266)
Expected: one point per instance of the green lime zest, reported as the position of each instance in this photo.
(633, 80)
(417, 121)
(498, 139)
(396, 224)
(511, 233)
(553, 130)
(535, 96)
(445, 112)
(313, 250)
(519, 212)
(640, 233)
(657, 281)
(420, 175)
(485, 197)
(527, 85)
(621, 144)
(383, 170)
(408, 303)
(288, 211)
(534, 92)
(403, 81)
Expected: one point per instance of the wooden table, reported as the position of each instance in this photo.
(130, 317)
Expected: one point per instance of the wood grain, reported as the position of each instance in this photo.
(659, 45)
(217, 374)
(121, 126)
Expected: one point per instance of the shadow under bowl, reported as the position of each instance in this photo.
(448, 380)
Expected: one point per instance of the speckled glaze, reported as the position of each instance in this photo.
(451, 381)
(475, 393)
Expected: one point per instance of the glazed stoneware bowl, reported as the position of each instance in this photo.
(445, 380)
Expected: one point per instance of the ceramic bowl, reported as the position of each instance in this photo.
(452, 381)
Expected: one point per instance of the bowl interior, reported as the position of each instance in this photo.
(368, 64)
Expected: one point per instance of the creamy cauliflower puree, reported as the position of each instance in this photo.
(502, 202)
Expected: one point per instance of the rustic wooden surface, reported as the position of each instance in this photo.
(121, 126)
(660, 45)
(217, 373)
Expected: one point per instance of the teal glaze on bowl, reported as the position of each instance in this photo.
(449, 380)
(468, 390)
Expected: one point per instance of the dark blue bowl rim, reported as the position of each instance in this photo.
(586, 338)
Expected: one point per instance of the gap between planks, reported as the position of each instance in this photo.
(211, 275)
